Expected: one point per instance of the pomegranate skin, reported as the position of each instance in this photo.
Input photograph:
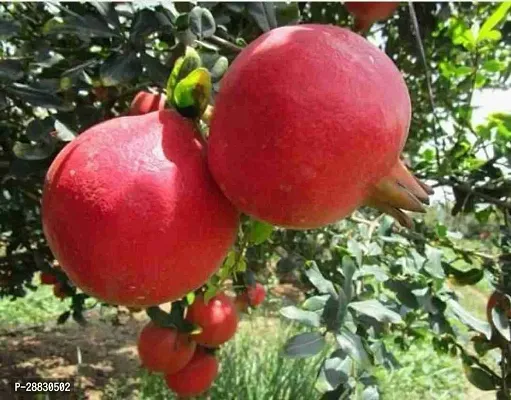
(369, 12)
(132, 214)
(307, 120)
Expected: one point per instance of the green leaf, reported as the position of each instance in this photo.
(287, 13)
(375, 309)
(356, 250)
(335, 311)
(374, 250)
(182, 68)
(304, 345)
(28, 151)
(107, 11)
(434, 262)
(441, 230)
(63, 132)
(469, 277)
(316, 278)
(219, 68)
(351, 344)
(498, 16)
(480, 378)
(201, 22)
(348, 270)
(263, 14)
(468, 319)
(84, 27)
(38, 129)
(120, 68)
(192, 94)
(37, 97)
(144, 24)
(11, 70)
(259, 232)
(63, 317)
(8, 29)
(158, 72)
(494, 66)
(370, 393)
(500, 319)
(307, 318)
(336, 370)
(403, 293)
(315, 303)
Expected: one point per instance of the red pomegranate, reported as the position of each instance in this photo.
(132, 214)
(218, 319)
(309, 125)
(253, 296)
(145, 102)
(47, 278)
(164, 349)
(196, 377)
(367, 13)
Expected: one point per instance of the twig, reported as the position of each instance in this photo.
(415, 24)
(225, 43)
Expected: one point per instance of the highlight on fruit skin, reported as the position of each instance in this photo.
(308, 155)
(369, 12)
(132, 213)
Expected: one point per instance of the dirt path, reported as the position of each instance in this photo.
(106, 351)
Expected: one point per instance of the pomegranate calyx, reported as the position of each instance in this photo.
(399, 191)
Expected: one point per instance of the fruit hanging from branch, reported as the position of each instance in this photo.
(369, 12)
(196, 377)
(164, 349)
(132, 214)
(309, 125)
(217, 319)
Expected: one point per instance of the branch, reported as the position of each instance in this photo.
(225, 43)
(427, 74)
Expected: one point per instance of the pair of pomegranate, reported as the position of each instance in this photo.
(187, 360)
(308, 126)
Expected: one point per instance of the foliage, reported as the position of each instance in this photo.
(67, 66)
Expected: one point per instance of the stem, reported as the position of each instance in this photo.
(415, 24)
(225, 43)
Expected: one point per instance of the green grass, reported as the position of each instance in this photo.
(252, 367)
(36, 307)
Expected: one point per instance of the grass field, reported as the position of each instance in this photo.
(252, 367)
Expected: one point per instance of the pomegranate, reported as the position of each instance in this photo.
(298, 113)
(58, 291)
(164, 349)
(253, 296)
(367, 13)
(218, 319)
(145, 102)
(196, 377)
(132, 214)
(48, 278)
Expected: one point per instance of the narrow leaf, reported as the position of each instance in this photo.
(469, 320)
(353, 346)
(263, 14)
(304, 345)
(259, 232)
(308, 318)
(375, 309)
(323, 285)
